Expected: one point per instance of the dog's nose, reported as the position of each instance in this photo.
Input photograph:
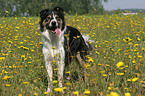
(53, 23)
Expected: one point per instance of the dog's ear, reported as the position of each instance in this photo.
(43, 12)
(59, 9)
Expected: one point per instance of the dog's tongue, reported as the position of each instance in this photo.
(57, 32)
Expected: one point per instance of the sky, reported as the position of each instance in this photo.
(124, 4)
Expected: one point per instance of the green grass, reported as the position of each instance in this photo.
(117, 38)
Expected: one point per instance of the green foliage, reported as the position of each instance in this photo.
(32, 7)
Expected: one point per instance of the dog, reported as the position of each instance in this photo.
(61, 43)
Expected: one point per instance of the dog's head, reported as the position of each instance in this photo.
(52, 20)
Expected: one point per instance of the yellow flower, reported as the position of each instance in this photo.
(113, 94)
(35, 94)
(32, 50)
(26, 83)
(17, 27)
(35, 88)
(58, 89)
(143, 82)
(101, 71)
(104, 75)
(67, 83)
(119, 64)
(78, 36)
(2, 58)
(6, 11)
(97, 53)
(20, 95)
(40, 42)
(45, 92)
(133, 61)
(120, 73)
(64, 87)
(55, 81)
(129, 79)
(6, 77)
(90, 59)
(87, 91)
(53, 47)
(109, 88)
(67, 72)
(23, 56)
(127, 94)
(134, 79)
(75, 92)
(8, 85)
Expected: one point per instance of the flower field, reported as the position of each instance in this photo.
(116, 66)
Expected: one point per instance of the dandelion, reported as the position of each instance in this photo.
(40, 43)
(134, 79)
(26, 83)
(129, 79)
(101, 71)
(87, 91)
(133, 61)
(67, 72)
(45, 92)
(104, 75)
(127, 94)
(17, 27)
(64, 87)
(113, 94)
(6, 77)
(97, 53)
(109, 88)
(2, 58)
(55, 81)
(23, 56)
(67, 83)
(58, 89)
(119, 64)
(35, 94)
(19, 94)
(53, 47)
(76, 92)
(32, 50)
(90, 59)
(7, 11)
(7, 85)
(120, 73)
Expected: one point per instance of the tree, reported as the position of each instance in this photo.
(32, 7)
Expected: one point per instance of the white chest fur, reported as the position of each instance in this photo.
(52, 44)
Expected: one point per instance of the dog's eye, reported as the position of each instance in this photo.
(58, 19)
(48, 17)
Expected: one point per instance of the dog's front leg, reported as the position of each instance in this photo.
(61, 68)
(60, 74)
(49, 76)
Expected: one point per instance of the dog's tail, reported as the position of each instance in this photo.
(89, 42)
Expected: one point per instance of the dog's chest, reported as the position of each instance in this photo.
(52, 44)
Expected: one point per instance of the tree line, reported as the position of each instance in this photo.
(32, 7)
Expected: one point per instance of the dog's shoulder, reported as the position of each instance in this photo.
(72, 31)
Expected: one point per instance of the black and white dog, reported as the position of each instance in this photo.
(60, 42)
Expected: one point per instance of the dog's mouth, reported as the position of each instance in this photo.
(55, 30)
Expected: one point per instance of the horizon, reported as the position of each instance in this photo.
(123, 4)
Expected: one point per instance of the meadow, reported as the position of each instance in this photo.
(116, 66)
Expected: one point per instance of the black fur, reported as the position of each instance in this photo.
(73, 42)
(46, 12)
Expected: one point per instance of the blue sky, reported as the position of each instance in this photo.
(124, 4)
